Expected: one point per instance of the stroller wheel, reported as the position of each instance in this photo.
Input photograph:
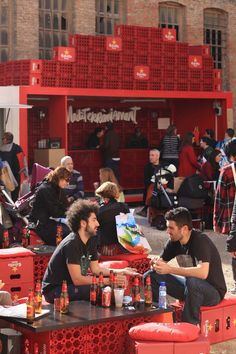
(161, 223)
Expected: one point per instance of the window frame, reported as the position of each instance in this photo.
(108, 18)
(174, 17)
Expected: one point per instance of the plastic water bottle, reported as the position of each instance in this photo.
(162, 296)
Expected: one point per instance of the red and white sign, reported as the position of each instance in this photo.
(114, 44)
(141, 72)
(64, 54)
(195, 62)
(169, 34)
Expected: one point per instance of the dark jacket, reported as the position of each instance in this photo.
(111, 145)
(231, 239)
(106, 218)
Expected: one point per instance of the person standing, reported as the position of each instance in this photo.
(94, 140)
(111, 148)
(199, 279)
(14, 155)
(75, 189)
(188, 164)
(169, 147)
(76, 254)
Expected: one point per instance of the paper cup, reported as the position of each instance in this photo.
(119, 296)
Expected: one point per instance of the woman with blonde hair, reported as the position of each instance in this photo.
(107, 175)
(107, 235)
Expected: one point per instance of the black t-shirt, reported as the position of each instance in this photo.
(70, 251)
(199, 249)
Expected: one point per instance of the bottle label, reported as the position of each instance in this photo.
(30, 312)
(93, 295)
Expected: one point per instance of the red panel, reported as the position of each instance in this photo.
(66, 54)
(214, 316)
(169, 34)
(154, 347)
(15, 270)
(229, 322)
(19, 289)
(114, 44)
(40, 265)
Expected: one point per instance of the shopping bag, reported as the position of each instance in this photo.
(7, 180)
(130, 235)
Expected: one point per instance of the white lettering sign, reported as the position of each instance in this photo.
(86, 115)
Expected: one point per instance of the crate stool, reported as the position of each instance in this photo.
(139, 261)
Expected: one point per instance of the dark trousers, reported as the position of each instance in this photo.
(115, 166)
(75, 293)
(234, 269)
(48, 231)
(194, 292)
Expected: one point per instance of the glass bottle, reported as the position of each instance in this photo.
(111, 281)
(136, 293)
(26, 237)
(30, 307)
(93, 291)
(148, 292)
(64, 298)
(38, 297)
(5, 239)
(99, 289)
(59, 235)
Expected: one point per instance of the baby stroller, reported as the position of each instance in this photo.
(191, 195)
(22, 207)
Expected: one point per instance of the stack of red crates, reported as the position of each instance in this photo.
(136, 58)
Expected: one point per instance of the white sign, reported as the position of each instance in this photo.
(87, 115)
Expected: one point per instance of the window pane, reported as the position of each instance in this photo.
(47, 4)
(41, 4)
(116, 7)
(64, 41)
(208, 36)
(213, 37)
(4, 15)
(47, 20)
(41, 24)
(63, 22)
(48, 54)
(101, 6)
(219, 37)
(41, 54)
(63, 5)
(109, 26)
(48, 42)
(55, 22)
(109, 6)
(101, 25)
(56, 41)
(41, 39)
(4, 55)
(55, 4)
(4, 37)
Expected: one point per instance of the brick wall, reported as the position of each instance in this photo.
(25, 35)
(84, 15)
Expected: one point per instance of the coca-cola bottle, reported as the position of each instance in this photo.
(30, 307)
(64, 298)
(38, 297)
(93, 291)
(99, 289)
(59, 235)
(5, 239)
(136, 292)
(148, 292)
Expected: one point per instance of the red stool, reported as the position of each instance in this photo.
(139, 261)
(17, 271)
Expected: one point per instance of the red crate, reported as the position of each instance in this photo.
(80, 40)
(83, 57)
(125, 31)
(154, 60)
(113, 57)
(207, 74)
(80, 71)
(203, 50)
(207, 63)
(182, 74)
(169, 74)
(113, 44)
(40, 263)
(19, 290)
(217, 86)
(64, 82)
(49, 68)
(182, 49)
(195, 74)
(169, 34)
(169, 49)
(127, 85)
(97, 43)
(182, 86)
(156, 73)
(98, 83)
(127, 59)
(156, 85)
(182, 62)
(49, 81)
(81, 83)
(112, 84)
(169, 85)
(141, 59)
(127, 73)
(207, 86)
(169, 60)
(65, 54)
(113, 71)
(217, 74)
(156, 48)
(155, 34)
(195, 86)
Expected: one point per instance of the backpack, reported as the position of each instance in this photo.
(193, 187)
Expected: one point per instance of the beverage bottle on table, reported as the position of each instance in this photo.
(59, 235)
(26, 237)
(64, 298)
(99, 289)
(93, 291)
(111, 281)
(5, 239)
(148, 292)
(38, 297)
(136, 293)
(30, 307)
(162, 296)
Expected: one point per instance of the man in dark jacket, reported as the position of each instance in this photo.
(111, 149)
(75, 188)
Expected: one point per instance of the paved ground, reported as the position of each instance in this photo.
(158, 238)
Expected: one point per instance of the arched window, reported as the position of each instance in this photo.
(172, 15)
(55, 19)
(4, 37)
(108, 13)
(215, 35)
(4, 55)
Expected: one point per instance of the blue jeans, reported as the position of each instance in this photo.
(194, 292)
(81, 292)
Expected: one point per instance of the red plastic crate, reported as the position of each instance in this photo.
(125, 31)
(182, 49)
(65, 54)
(83, 57)
(80, 40)
(195, 86)
(49, 81)
(182, 75)
(154, 60)
(155, 34)
(141, 72)
(169, 74)
(217, 86)
(169, 49)
(207, 86)
(182, 86)
(113, 44)
(169, 34)
(207, 74)
(113, 57)
(195, 62)
(98, 43)
(182, 63)
(40, 263)
(156, 73)
(169, 85)
(112, 84)
(141, 59)
(98, 83)
(217, 74)
(127, 85)
(112, 71)
(203, 50)
(195, 74)
(207, 63)
(156, 85)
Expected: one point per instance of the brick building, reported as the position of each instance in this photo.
(30, 28)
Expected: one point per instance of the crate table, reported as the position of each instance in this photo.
(86, 329)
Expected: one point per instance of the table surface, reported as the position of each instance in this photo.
(81, 313)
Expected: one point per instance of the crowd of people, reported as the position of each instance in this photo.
(89, 227)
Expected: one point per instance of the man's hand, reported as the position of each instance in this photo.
(233, 254)
(161, 267)
(130, 271)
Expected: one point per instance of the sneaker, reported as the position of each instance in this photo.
(142, 212)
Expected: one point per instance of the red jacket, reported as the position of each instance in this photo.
(187, 162)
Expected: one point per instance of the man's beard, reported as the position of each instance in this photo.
(90, 232)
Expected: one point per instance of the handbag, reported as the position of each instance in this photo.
(160, 201)
(130, 235)
(193, 187)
